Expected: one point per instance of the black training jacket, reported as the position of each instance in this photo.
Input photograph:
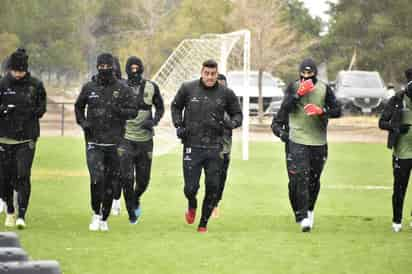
(200, 110)
(28, 97)
(108, 107)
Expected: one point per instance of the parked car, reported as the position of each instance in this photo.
(272, 88)
(361, 91)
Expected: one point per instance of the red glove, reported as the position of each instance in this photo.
(305, 87)
(312, 109)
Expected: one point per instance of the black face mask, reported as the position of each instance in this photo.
(313, 78)
(106, 75)
(135, 77)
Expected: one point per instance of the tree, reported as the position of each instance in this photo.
(274, 40)
(379, 32)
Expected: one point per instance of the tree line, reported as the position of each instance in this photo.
(64, 38)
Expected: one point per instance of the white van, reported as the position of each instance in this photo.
(272, 88)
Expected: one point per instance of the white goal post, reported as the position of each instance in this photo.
(231, 50)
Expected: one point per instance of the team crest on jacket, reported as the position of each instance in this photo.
(116, 94)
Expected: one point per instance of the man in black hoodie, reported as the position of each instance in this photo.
(301, 123)
(198, 114)
(109, 104)
(136, 148)
(22, 104)
(396, 118)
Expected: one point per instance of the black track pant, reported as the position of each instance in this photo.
(305, 165)
(194, 160)
(135, 167)
(401, 174)
(15, 171)
(103, 164)
(223, 176)
(117, 186)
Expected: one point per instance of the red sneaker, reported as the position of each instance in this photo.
(190, 215)
(202, 229)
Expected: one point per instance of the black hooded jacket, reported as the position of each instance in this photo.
(28, 97)
(140, 85)
(391, 118)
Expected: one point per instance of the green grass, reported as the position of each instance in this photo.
(255, 234)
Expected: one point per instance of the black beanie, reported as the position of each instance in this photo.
(221, 76)
(309, 65)
(133, 60)
(408, 74)
(105, 59)
(19, 60)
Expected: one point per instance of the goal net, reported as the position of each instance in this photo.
(230, 50)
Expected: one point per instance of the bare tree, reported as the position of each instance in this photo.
(274, 41)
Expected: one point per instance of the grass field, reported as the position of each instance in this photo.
(256, 232)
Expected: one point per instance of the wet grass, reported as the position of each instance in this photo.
(255, 233)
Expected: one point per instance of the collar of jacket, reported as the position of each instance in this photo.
(133, 83)
(205, 87)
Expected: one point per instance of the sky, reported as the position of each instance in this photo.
(317, 7)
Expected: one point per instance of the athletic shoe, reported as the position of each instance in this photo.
(305, 225)
(133, 220)
(10, 220)
(410, 224)
(20, 223)
(311, 217)
(190, 215)
(138, 212)
(215, 213)
(116, 208)
(104, 226)
(2, 206)
(396, 227)
(95, 223)
(202, 229)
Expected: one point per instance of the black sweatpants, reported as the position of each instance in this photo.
(103, 165)
(401, 173)
(15, 171)
(135, 167)
(223, 176)
(117, 186)
(194, 160)
(305, 165)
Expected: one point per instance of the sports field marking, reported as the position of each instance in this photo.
(355, 187)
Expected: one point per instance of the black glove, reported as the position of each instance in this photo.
(284, 136)
(4, 110)
(148, 124)
(404, 128)
(85, 125)
(229, 124)
(115, 108)
(181, 132)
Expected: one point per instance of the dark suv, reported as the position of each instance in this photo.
(361, 91)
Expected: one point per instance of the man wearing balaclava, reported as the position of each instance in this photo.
(22, 104)
(135, 150)
(301, 123)
(396, 118)
(109, 104)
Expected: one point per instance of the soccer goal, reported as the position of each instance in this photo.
(231, 50)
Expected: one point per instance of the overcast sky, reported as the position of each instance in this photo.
(317, 7)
